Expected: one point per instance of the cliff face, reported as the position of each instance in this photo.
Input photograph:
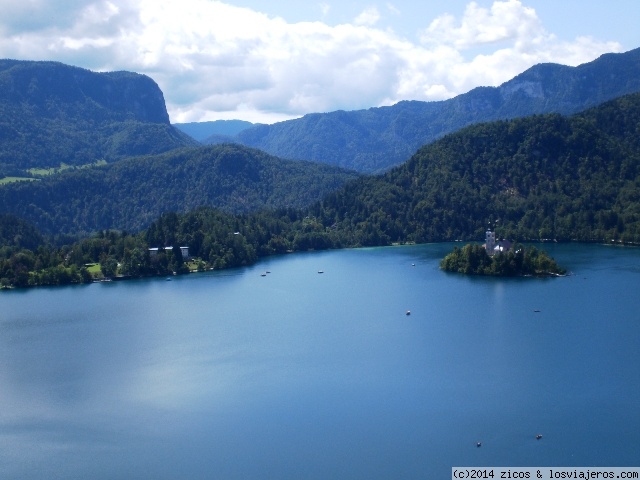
(52, 114)
(50, 87)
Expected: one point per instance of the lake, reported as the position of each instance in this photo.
(296, 374)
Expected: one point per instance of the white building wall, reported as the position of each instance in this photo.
(490, 241)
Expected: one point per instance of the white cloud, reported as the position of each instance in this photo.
(393, 9)
(370, 17)
(507, 20)
(217, 61)
(325, 8)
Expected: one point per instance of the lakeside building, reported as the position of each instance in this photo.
(183, 250)
(492, 246)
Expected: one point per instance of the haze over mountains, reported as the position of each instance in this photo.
(215, 131)
(377, 139)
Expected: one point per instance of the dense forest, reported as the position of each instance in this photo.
(374, 140)
(130, 194)
(543, 177)
(53, 114)
(473, 259)
(215, 240)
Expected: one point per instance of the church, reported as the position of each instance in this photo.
(492, 246)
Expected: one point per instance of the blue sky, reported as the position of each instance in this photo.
(266, 61)
(568, 19)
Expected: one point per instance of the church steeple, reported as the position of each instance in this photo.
(490, 240)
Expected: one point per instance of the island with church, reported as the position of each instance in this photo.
(500, 258)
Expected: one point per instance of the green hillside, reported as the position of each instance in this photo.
(546, 177)
(53, 114)
(374, 140)
(133, 192)
(540, 177)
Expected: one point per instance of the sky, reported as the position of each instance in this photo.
(269, 61)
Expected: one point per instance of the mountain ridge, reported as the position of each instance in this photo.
(123, 95)
(543, 177)
(131, 193)
(547, 176)
(376, 139)
(53, 114)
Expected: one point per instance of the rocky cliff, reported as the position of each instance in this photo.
(48, 87)
(53, 114)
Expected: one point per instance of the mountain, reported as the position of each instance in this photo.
(568, 178)
(553, 177)
(200, 131)
(131, 193)
(51, 113)
(377, 139)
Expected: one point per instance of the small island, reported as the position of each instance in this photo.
(501, 259)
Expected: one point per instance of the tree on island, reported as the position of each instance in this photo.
(472, 259)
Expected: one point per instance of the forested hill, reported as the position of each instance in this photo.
(51, 113)
(535, 178)
(376, 139)
(131, 193)
(540, 177)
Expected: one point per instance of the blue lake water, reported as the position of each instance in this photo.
(306, 375)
